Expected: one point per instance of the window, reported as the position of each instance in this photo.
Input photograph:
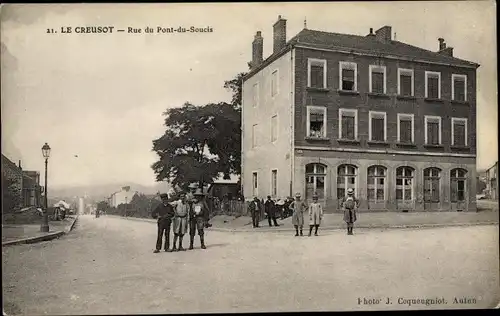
(432, 85)
(405, 82)
(346, 178)
(432, 130)
(315, 180)
(376, 183)
(348, 124)
(457, 183)
(274, 83)
(458, 131)
(406, 128)
(316, 69)
(255, 184)
(256, 95)
(274, 128)
(431, 185)
(316, 121)
(377, 126)
(377, 79)
(254, 136)
(348, 75)
(274, 183)
(459, 87)
(404, 183)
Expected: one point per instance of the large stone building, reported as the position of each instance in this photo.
(327, 112)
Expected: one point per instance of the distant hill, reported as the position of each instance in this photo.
(103, 191)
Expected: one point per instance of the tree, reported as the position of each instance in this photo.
(201, 142)
(102, 206)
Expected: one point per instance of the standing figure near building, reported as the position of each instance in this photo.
(181, 211)
(271, 210)
(315, 215)
(350, 204)
(254, 209)
(298, 207)
(197, 219)
(164, 213)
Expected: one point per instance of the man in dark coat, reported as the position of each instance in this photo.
(164, 213)
(270, 209)
(197, 219)
(350, 204)
(254, 208)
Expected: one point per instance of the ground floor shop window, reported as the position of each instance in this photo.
(315, 180)
(376, 183)
(346, 179)
(404, 183)
(432, 177)
(457, 184)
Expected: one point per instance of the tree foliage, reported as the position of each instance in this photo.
(102, 206)
(201, 142)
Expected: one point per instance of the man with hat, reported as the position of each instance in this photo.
(196, 219)
(181, 210)
(270, 208)
(315, 215)
(254, 208)
(298, 207)
(350, 204)
(164, 213)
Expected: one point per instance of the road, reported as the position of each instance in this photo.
(106, 266)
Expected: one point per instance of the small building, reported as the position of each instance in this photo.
(221, 189)
(124, 196)
(491, 178)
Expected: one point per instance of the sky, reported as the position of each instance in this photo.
(98, 99)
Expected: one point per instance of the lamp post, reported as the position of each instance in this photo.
(45, 224)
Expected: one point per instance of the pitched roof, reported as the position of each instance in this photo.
(369, 44)
(361, 44)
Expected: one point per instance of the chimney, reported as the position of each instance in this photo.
(371, 33)
(442, 44)
(257, 50)
(384, 34)
(279, 30)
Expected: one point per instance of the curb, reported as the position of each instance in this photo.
(32, 240)
(327, 228)
(334, 228)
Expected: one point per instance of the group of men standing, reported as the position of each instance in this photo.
(299, 207)
(187, 214)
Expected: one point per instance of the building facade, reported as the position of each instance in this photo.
(491, 178)
(124, 196)
(327, 112)
(14, 174)
(25, 184)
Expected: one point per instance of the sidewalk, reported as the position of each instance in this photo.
(334, 221)
(25, 234)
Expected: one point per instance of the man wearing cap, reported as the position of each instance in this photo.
(254, 208)
(270, 209)
(196, 219)
(298, 207)
(181, 210)
(315, 215)
(164, 213)
(350, 204)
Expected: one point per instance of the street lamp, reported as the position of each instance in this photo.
(45, 223)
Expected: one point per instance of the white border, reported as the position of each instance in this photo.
(427, 73)
(406, 115)
(343, 64)
(377, 67)
(453, 77)
(308, 127)
(426, 119)
(371, 114)
(310, 61)
(348, 111)
(405, 70)
(458, 119)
